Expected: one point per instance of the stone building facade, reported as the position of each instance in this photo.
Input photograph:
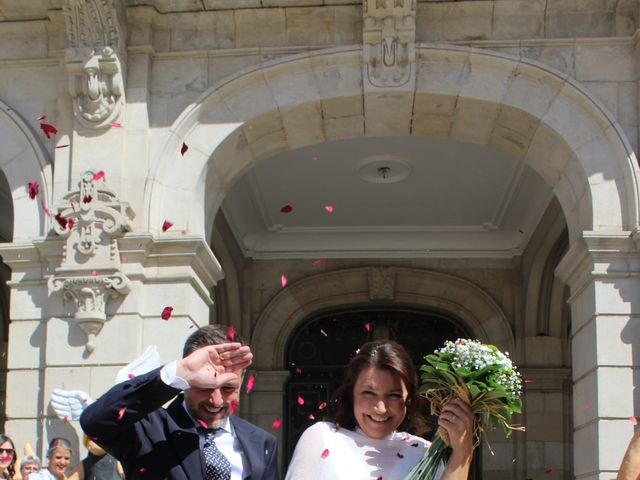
(169, 125)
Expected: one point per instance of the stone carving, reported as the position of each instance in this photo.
(388, 36)
(94, 59)
(382, 283)
(90, 219)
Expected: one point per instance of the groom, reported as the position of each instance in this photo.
(196, 436)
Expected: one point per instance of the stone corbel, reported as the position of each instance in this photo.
(389, 34)
(90, 219)
(95, 59)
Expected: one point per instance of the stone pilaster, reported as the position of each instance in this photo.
(603, 272)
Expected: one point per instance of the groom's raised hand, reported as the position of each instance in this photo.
(214, 365)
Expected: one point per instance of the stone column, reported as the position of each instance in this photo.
(266, 403)
(603, 273)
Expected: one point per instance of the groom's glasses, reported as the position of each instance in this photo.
(8, 451)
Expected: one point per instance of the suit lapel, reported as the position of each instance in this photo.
(185, 439)
(251, 446)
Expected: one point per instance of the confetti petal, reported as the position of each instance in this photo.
(399, 455)
(325, 453)
(166, 313)
(528, 381)
(44, 207)
(184, 149)
(283, 281)
(379, 478)
(94, 273)
(633, 420)
(586, 405)
(131, 375)
(142, 469)
(367, 326)
(322, 406)
(34, 189)
(250, 383)
(61, 220)
(548, 471)
(298, 371)
(48, 129)
(121, 412)
(300, 400)
(65, 419)
(70, 223)
(231, 333)
(286, 209)
(277, 423)
(233, 406)
(166, 225)
(202, 424)
(116, 124)
(415, 445)
(311, 416)
(314, 158)
(329, 208)
(41, 118)
(317, 262)
(98, 175)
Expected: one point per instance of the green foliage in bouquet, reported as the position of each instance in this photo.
(483, 377)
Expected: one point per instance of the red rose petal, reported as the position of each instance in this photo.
(202, 424)
(548, 471)
(283, 281)
(286, 209)
(231, 333)
(121, 412)
(277, 423)
(415, 445)
(166, 313)
(131, 375)
(528, 381)
(586, 405)
(34, 189)
(61, 220)
(98, 175)
(250, 383)
(298, 371)
(325, 453)
(322, 406)
(166, 225)
(311, 416)
(41, 117)
(329, 208)
(65, 419)
(300, 400)
(48, 129)
(184, 149)
(367, 326)
(399, 455)
(70, 223)
(233, 406)
(318, 261)
(379, 478)
(633, 420)
(94, 273)
(116, 124)
(314, 158)
(142, 469)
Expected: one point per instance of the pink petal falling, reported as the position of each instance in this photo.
(48, 129)
(325, 453)
(166, 225)
(367, 326)
(121, 412)
(317, 262)
(300, 400)
(98, 175)
(34, 189)
(329, 208)
(277, 423)
(233, 406)
(166, 313)
(202, 424)
(184, 149)
(231, 333)
(633, 420)
(286, 209)
(283, 281)
(116, 124)
(250, 383)
(322, 406)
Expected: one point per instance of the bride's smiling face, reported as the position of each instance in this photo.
(379, 402)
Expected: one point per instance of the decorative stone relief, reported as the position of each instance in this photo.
(382, 283)
(90, 220)
(94, 59)
(389, 35)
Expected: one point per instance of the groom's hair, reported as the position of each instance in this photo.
(385, 355)
(209, 335)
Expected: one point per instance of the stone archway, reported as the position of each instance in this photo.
(517, 106)
(514, 105)
(23, 160)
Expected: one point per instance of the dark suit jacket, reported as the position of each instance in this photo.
(154, 443)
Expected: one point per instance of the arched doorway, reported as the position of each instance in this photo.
(320, 349)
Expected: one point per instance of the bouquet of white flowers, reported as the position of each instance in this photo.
(483, 377)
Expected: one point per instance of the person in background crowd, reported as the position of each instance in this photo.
(28, 465)
(7, 457)
(59, 459)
